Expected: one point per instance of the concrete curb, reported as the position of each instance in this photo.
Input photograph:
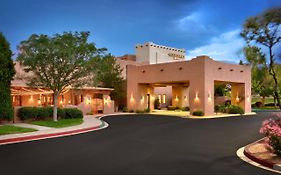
(52, 135)
(265, 163)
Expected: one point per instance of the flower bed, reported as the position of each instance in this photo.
(271, 128)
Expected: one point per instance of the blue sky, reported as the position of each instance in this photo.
(202, 27)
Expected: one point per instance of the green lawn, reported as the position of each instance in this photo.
(59, 124)
(267, 100)
(267, 108)
(9, 129)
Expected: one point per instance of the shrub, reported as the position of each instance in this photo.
(147, 110)
(269, 104)
(232, 109)
(73, 113)
(254, 105)
(219, 90)
(60, 112)
(272, 130)
(217, 108)
(171, 108)
(125, 109)
(25, 113)
(131, 111)
(198, 113)
(89, 113)
(43, 113)
(258, 104)
(186, 108)
(227, 103)
(140, 111)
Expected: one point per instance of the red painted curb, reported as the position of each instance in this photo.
(42, 136)
(248, 154)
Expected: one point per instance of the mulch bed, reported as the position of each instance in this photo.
(261, 153)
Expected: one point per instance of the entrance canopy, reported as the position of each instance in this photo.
(197, 75)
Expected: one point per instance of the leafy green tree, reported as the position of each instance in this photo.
(261, 80)
(257, 60)
(7, 72)
(108, 73)
(264, 30)
(58, 61)
(220, 90)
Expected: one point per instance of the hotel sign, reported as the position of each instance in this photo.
(176, 56)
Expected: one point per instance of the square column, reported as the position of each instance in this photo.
(177, 96)
(241, 96)
(201, 96)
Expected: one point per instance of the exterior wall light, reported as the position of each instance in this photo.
(107, 100)
(89, 100)
(196, 97)
(31, 98)
(185, 98)
(177, 98)
(142, 99)
(248, 98)
(237, 98)
(39, 102)
(209, 97)
(131, 98)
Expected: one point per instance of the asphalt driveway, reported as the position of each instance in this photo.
(141, 144)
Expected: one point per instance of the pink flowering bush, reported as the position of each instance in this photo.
(271, 128)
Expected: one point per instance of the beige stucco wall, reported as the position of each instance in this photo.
(200, 73)
(154, 54)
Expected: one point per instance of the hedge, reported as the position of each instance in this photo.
(232, 109)
(198, 113)
(73, 113)
(42, 113)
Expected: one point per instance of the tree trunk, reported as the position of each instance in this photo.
(55, 109)
(272, 72)
(263, 100)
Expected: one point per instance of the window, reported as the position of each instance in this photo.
(163, 98)
(159, 97)
(16, 100)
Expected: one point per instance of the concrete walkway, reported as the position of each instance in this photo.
(27, 125)
(91, 122)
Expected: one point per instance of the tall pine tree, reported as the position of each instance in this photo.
(7, 72)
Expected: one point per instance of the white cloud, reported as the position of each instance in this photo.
(222, 48)
(194, 23)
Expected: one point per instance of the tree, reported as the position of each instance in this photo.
(58, 61)
(7, 72)
(265, 30)
(108, 73)
(261, 80)
(257, 60)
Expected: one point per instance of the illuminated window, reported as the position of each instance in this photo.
(17, 100)
(163, 98)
